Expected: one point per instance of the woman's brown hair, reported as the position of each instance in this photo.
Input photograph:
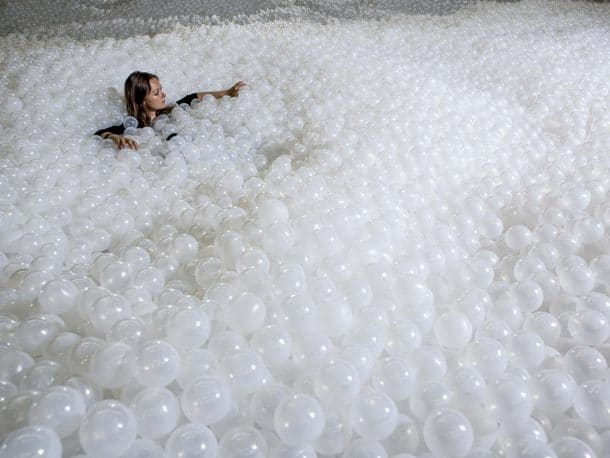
(137, 86)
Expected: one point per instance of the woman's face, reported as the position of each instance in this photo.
(155, 99)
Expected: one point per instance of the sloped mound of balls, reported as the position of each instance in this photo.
(393, 243)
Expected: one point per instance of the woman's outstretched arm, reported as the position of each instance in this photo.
(233, 91)
(115, 133)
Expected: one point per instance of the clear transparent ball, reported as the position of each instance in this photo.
(156, 411)
(156, 363)
(206, 400)
(448, 432)
(192, 440)
(31, 441)
(337, 383)
(374, 415)
(61, 408)
(298, 419)
(242, 442)
(109, 428)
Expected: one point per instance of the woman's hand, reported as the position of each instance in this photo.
(234, 90)
(122, 142)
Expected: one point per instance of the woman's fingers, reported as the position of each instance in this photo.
(236, 87)
(127, 143)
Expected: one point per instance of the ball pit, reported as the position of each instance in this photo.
(394, 242)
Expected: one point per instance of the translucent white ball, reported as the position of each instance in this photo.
(488, 357)
(298, 419)
(374, 415)
(403, 337)
(585, 363)
(110, 365)
(365, 448)
(589, 327)
(156, 411)
(58, 296)
(245, 371)
(448, 432)
(553, 390)
(575, 276)
(468, 386)
(273, 343)
(245, 313)
(527, 349)
(518, 237)
(242, 442)
(156, 363)
(394, 376)
(188, 327)
(31, 441)
(206, 400)
(184, 248)
(337, 383)
(61, 408)
(510, 399)
(109, 428)
(453, 330)
(265, 401)
(571, 447)
(592, 402)
(144, 448)
(192, 440)
(116, 276)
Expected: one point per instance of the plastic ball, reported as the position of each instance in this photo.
(374, 415)
(188, 327)
(109, 428)
(184, 248)
(192, 440)
(469, 386)
(245, 313)
(110, 365)
(553, 391)
(156, 411)
(575, 276)
(394, 376)
(13, 363)
(265, 401)
(245, 371)
(29, 441)
(518, 237)
(58, 296)
(298, 420)
(572, 447)
(116, 276)
(337, 383)
(589, 327)
(527, 349)
(403, 337)
(61, 408)
(242, 442)
(273, 343)
(453, 330)
(430, 363)
(592, 402)
(366, 448)
(206, 400)
(585, 363)
(144, 448)
(335, 435)
(510, 399)
(488, 357)
(448, 433)
(156, 363)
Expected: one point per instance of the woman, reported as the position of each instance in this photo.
(145, 101)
